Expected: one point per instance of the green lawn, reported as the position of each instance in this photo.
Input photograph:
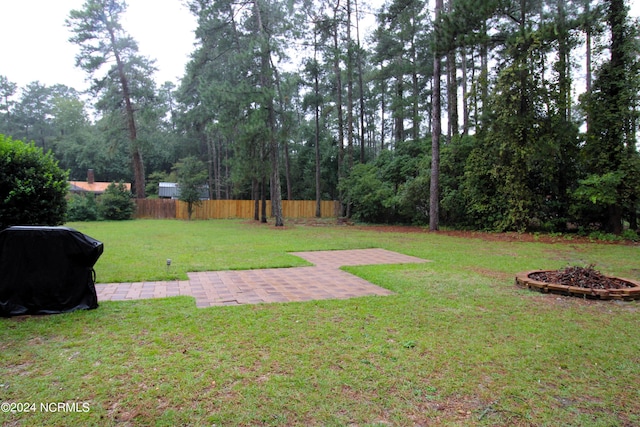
(458, 344)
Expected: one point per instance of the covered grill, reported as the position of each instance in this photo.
(45, 270)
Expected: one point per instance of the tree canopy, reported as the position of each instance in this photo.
(498, 115)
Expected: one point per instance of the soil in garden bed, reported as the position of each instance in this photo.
(582, 277)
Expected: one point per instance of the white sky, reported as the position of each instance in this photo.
(34, 42)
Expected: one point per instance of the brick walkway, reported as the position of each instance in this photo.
(325, 280)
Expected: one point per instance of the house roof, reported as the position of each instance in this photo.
(168, 189)
(94, 187)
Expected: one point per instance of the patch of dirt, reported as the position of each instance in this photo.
(490, 237)
(392, 228)
(582, 277)
(570, 239)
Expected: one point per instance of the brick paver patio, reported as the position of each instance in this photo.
(325, 280)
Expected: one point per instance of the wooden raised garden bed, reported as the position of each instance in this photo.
(582, 282)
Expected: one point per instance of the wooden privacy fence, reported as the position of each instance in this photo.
(222, 209)
(155, 208)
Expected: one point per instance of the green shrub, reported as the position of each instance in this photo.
(373, 200)
(82, 208)
(116, 203)
(630, 235)
(33, 188)
(413, 200)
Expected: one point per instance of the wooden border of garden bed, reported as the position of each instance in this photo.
(626, 294)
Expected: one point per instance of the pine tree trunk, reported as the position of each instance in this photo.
(452, 94)
(219, 171)
(465, 94)
(276, 201)
(266, 78)
(360, 86)
(227, 174)
(316, 89)
(588, 55)
(211, 155)
(383, 130)
(136, 155)
(398, 121)
(287, 169)
(263, 197)
(434, 193)
(338, 74)
(415, 87)
(255, 191)
(484, 71)
(350, 126)
(138, 173)
(564, 83)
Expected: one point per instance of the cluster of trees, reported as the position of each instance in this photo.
(115, 204)
(34, 190)
(460, 112)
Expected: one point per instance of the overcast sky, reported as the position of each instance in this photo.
(34, 42)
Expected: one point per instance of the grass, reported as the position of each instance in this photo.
(458, 344)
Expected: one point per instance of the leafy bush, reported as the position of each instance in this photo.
(373, 200)
(630, 235)
(603, 236)
(82, 208)
(413, 200)
(32, 185)
(116, 203)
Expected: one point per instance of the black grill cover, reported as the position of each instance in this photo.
(46, 270)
